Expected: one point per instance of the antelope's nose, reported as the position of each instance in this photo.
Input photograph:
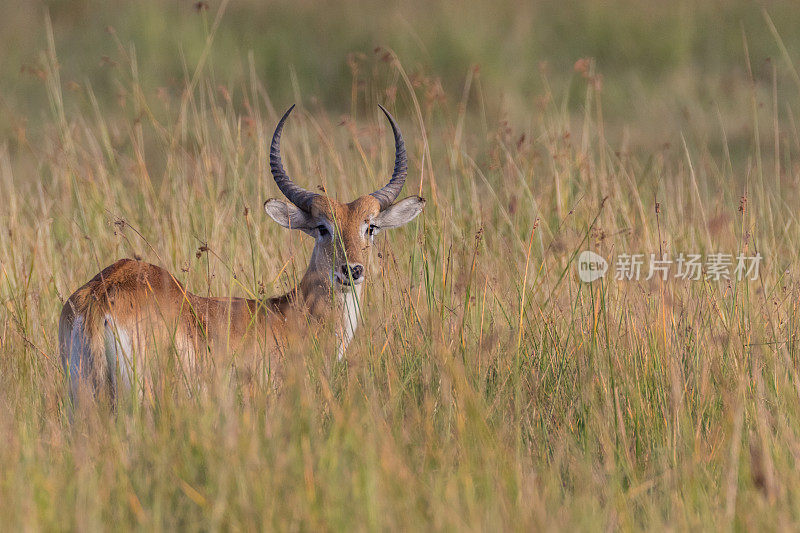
(353, 270)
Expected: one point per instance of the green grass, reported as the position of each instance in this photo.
(487, 387)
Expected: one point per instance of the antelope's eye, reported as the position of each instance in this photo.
(371, 230)
(322, 230)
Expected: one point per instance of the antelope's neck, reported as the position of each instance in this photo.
(316, 297)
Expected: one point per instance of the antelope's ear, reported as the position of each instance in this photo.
(399, 213)
(288, 215)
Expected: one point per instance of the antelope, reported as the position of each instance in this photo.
(107, 326)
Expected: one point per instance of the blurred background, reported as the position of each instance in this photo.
(664, 68)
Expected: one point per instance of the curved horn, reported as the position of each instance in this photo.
(297, 195)
(389, 192)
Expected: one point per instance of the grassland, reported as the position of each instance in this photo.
(487, 387)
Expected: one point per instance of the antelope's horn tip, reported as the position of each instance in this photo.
(385, 111)
(289, 110)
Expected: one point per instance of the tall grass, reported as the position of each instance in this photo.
(486, 386)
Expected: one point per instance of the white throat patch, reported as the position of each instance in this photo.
(351, 311)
